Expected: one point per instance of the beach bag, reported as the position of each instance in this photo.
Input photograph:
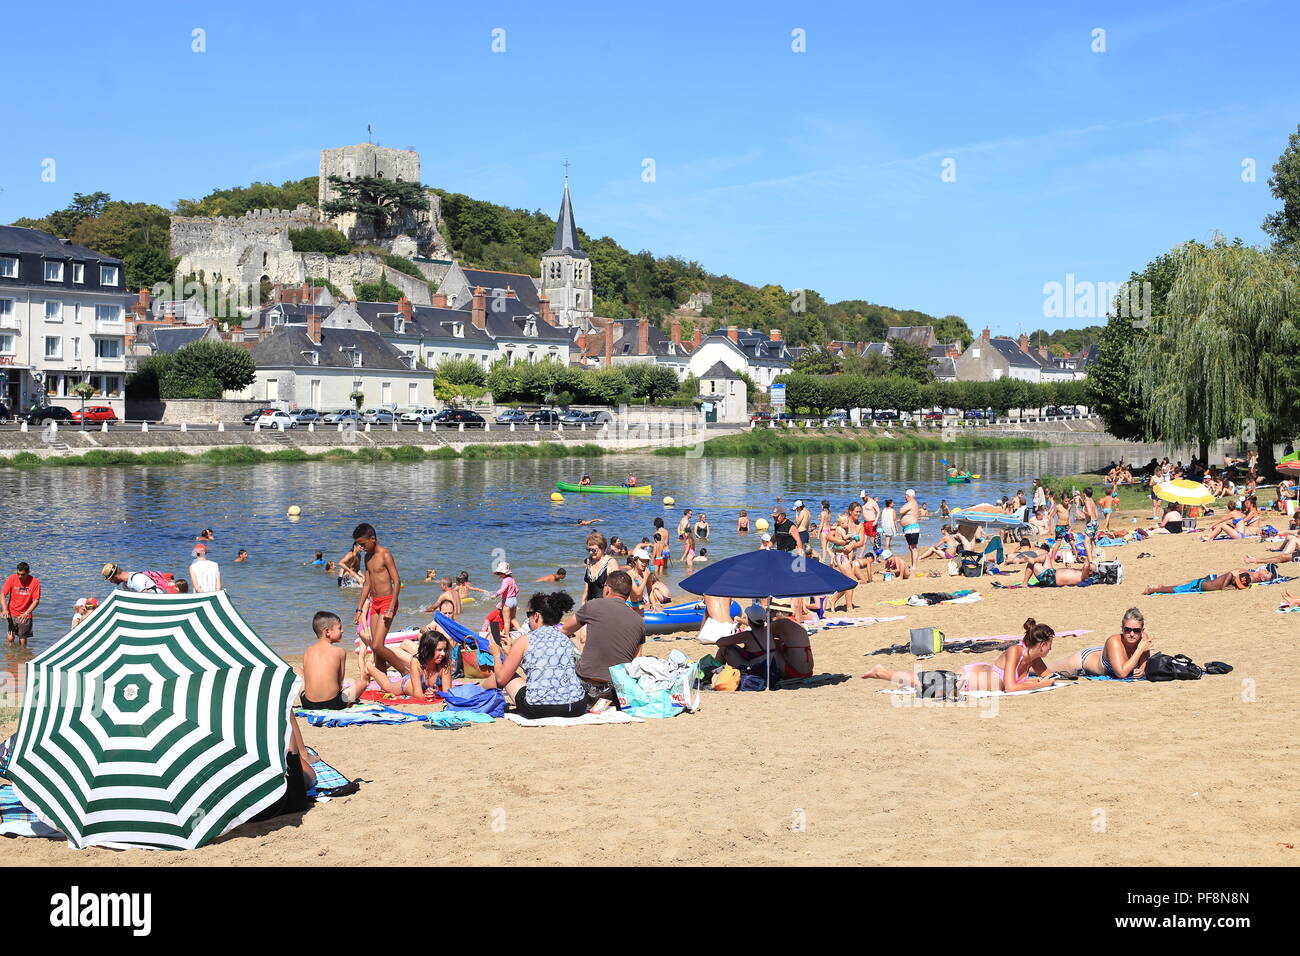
(726, 678)
(926, 641)
(164, 582)
(636, 700)
(1163, 667)
(467, 697)
(1110, 572)
(971, 564)
(938, 685)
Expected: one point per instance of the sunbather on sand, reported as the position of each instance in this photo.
(1123, 655)
(1290, 550)
(1047, 574)
(1237, 578)
(1010, 672)
(947, 547)
(1229, 526)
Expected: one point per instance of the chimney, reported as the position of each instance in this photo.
(306, 292)
(439, 300)
(696, 338)
(774, 335)
(985, 335)
(676, 332)
(733, 333)
(404, 307)
(478, 311)
(643, 337)
(547, 315)
(313, 326)
(609, 342)
(142, 303)
(1024, 343)
(237, 333)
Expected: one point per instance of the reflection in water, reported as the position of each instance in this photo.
(67, 522)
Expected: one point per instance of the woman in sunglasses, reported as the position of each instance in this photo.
(1123, 655)
(599, 564)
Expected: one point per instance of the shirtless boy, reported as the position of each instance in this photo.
(382, 586)
(324, 665)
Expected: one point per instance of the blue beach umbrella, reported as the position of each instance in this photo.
(995, 518)
(769, 574)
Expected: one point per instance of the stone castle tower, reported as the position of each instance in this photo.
(367, 159)
(566, 271)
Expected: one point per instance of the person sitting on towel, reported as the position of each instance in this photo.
(748, 645)
(549, 685)
(793, 648)
(431, 668)
(324, 666)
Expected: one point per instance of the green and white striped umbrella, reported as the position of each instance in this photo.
(161, 720)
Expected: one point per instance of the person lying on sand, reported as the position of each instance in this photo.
(324, 667)
(429, 672)
(1290, 600)
(1290, 550)
(1047, 574)
(1237, 578)
(1123, 655)
(1010, 672)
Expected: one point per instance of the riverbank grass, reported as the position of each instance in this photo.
(772, 441)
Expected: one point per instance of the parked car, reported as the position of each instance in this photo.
(760, 417)
(274, 418)
(512, 416)
(306, 416)
(576, 417)
(4, 412)
(838, 418)
(977, 413)
(544, 416)
(44, 414)
(95, 413)
(885, 415)
(342, 415)
(933, 416)
(460, 416)
(253, 416)
(378, 416)
(413, 416)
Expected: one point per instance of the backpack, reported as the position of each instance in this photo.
(1110, 572)
(938, 685)
(163, 581)
(972, 564)
(1163, 667)
(926, 641)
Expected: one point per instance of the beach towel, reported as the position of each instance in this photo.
(610, 716)
(911, 691)
(850, 622)
(455, 719)
(1288, 610)
(816, 680)
(935, 597)
(17, 820)
(358, 714)
(329, 782)
(377, 696)
(1123, 680)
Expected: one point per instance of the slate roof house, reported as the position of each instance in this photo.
(761, 357)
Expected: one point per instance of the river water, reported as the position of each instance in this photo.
(448, 515)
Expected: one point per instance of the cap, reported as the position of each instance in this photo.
(197, 551)
(886, 555)
(756, 613)
(766, 537)
(863, 493)
(799, 503)
(80, 602)
(910, 493)
(92, 602)
(780, 605)
(502, 568)
(641, 554)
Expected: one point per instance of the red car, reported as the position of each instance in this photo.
(95, 413)
(934, 416)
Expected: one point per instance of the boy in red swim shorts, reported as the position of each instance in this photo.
(383, 583)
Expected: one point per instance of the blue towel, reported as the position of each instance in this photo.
(471, 697)
(358, 714)
(453, 719)
(327, 779)
(1126, 680)
(461, 634)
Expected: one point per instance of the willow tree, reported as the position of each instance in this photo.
(1222, 360)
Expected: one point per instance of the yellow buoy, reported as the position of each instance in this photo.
(294, 511)
(761, 524)
(669, 501)
(556, 496)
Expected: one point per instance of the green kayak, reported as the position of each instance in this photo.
(568, 486)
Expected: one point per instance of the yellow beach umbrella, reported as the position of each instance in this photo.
(1183, 492)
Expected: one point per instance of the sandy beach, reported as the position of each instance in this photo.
(1097, 774)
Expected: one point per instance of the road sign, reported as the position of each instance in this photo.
(778, 396)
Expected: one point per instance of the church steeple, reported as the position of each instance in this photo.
(566, 233)
(566, 271)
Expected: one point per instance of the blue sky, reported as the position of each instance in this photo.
(819, 169)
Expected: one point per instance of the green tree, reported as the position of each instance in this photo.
(460, 372)
(816, 361)
(241, 199)
(1220, 363)
(145, 382)
(1284, 225)
(381, 291)
(329, 241)
(379, 201)
(231, 367)
(910, 361)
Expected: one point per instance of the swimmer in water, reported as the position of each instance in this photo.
(242, 556)
(742, 523)
(583, 524)
(556, 578)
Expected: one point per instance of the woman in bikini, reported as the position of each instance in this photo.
(742, 523)
(599, 564)
(1124, 655)
(824, 522)
(430, 669)
(1228, 527)
(947, 547)
(1010, 673)
(638, 566)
